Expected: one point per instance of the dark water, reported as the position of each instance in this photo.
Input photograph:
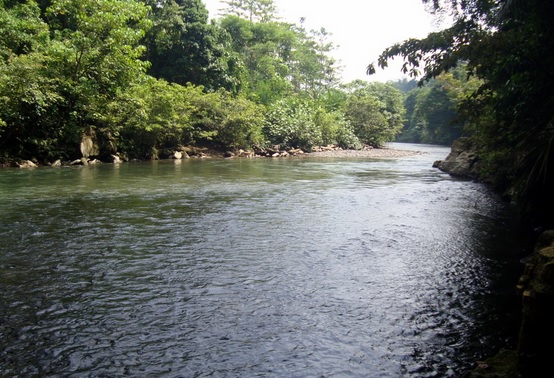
(265, 267)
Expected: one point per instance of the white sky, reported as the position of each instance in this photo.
(361, 28)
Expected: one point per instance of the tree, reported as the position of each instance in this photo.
(312, 69)
(252, 10)
(183, 47)
(265, 49)
(60, 77)
(281, 58)
(507, 44)
(375, 110)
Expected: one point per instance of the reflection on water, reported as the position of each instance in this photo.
(272, 267)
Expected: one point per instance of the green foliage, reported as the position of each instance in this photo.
(140, 77)
(280, 59)
(312, 69)
(242, 124)
(155, 114)
(55, 89)
(508, 44)
(151, 115)
(28, 94)
(28, 100)
(296, 122)
(290, 123)
(335, 129)
(228, 121)
(264, 49)
(252, 10)
(21, 29)
(183, 48)
(375, 110)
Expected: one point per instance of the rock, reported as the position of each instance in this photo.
(296, 151)
(177, 155)
(536, 337)
(57, 163)
(26, 164)
(228, 154)
(82, 161)
(115, 159)
(88, 147)
(247, 154)
(462, 160)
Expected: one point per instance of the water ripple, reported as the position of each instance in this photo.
(260, 268)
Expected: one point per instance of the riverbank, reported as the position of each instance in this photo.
(202, 153)
(365, 153)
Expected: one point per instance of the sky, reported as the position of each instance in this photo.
(361, 29)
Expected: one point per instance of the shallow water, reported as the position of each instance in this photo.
(295, 267)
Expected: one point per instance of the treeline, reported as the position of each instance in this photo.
(136, 77)
(434, 108)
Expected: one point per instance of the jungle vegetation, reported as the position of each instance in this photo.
(140, 76)
(506, 50)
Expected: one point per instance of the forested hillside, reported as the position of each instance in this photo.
(136, 77)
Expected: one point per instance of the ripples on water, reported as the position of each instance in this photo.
(289, 268)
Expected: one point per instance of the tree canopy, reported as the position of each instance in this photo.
(138, 77)
(508, 44)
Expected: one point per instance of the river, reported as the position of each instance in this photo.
(289, 267)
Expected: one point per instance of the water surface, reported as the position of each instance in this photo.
(295, 267)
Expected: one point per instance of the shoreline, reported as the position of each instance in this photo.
(365, 153)
(377, 153)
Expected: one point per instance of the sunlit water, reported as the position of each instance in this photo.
(295, 267)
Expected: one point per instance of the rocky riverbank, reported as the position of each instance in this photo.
(535, 289)
(364, 153)
(203, 153)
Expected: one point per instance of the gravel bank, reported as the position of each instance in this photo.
(365, 153)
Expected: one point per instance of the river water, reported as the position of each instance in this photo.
(293, 267)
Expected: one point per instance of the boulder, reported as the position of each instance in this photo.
(88, 147)
(26, 164)
(462, 161)
(115, 159)
(82, 161)
(536, 287)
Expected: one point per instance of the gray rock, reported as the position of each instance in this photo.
(462, 161)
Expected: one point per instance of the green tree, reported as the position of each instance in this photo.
(281, 58)
(64, 83)
(290, 123)
(265, 48)
(184, 48)
(375, 110)
(21, 29)
(96, 51)
(151, 115)
(508, 44)
(312, 69)
(252, 10)
(27, 92)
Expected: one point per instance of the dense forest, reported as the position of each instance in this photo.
(140, 76)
